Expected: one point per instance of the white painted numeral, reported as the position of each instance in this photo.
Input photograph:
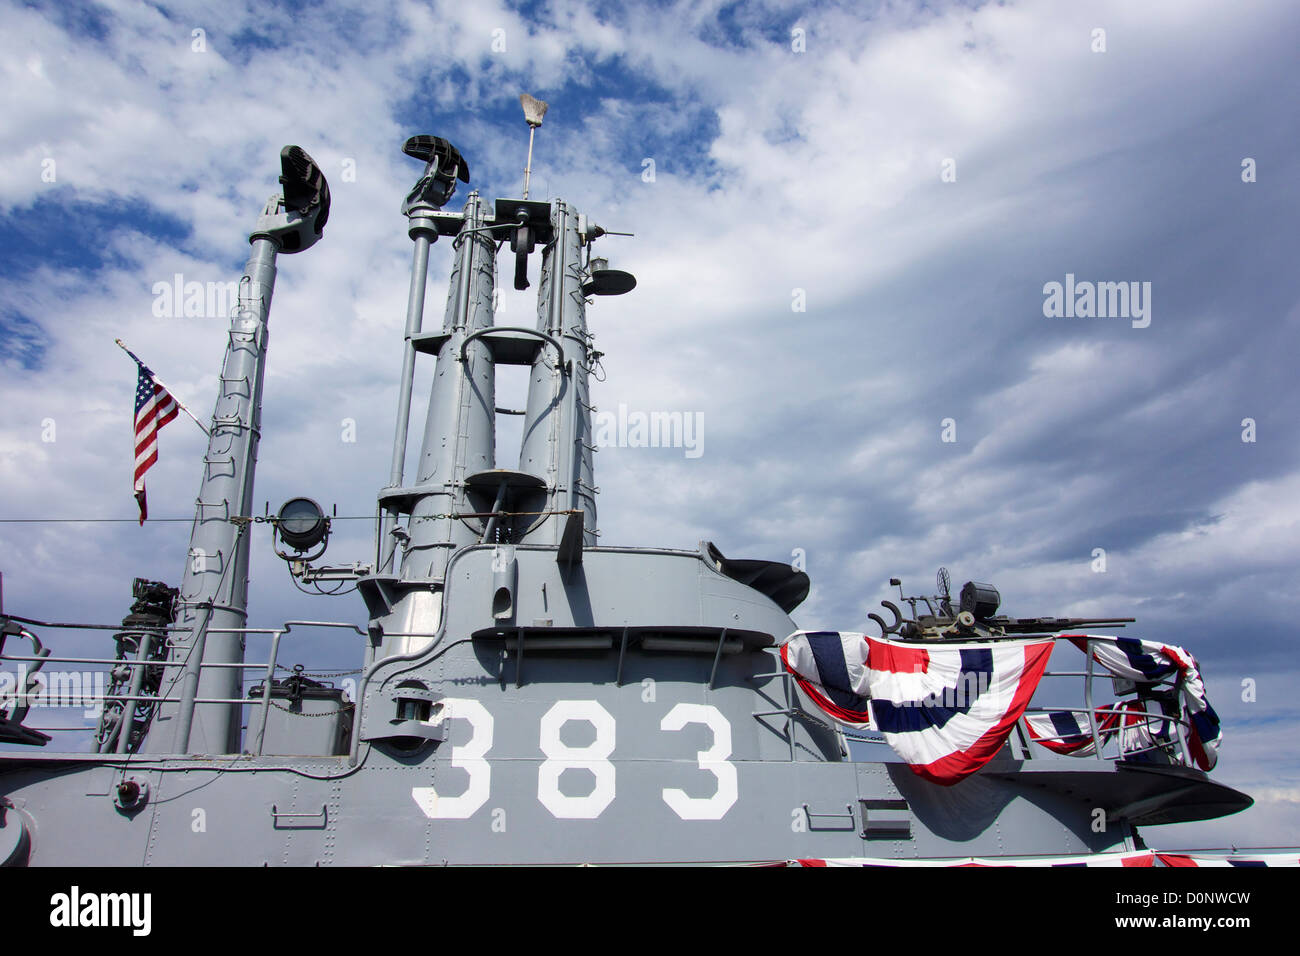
(468, 756)
(471, 757)
(561, 757)
(714, 760)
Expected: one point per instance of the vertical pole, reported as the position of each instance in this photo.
(213, 604)
(190, 685)
(414, 321)
(1093, 717)
(1179, 728)
(137, 683)
(423, 235)
(214, 587)
(267, 681)
(528, 167)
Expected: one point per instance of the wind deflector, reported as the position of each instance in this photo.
(786, 586)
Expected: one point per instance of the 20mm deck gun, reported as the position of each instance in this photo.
(974, 617)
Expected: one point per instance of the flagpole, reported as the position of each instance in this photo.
(159, 381)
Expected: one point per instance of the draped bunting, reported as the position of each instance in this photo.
(946, 709)
(1070, 731)
(1142, 858)
(830, 667)
(1150, 661)
(1266, 859)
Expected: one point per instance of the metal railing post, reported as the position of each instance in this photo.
(190, 683)
(266, 692)
(137, 682)
(1093, 718)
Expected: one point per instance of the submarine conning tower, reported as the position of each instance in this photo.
(458, 495)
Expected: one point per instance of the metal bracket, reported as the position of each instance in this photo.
(717, 656)
(569, 552)
(622, 653)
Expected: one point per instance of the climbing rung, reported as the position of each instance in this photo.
(209, 462)
(243, 379)
(201, 561)
(223, 505)
(243, 340)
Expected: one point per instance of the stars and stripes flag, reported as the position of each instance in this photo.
(154, 408)
(945, 709)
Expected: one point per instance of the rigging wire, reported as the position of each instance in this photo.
(260, 519)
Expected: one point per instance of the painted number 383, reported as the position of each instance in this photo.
(472, 758)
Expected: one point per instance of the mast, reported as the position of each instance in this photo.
(459, 497)
(557, 439)
(214, 587)
(460, 429)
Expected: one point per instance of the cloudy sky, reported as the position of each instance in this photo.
(846, 215)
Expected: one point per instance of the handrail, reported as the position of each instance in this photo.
(512, 328)
(1148, 717)
(188, 700)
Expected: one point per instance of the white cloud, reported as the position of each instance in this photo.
(817, 171)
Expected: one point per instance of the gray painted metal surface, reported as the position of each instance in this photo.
(528, 696)
(214, 584)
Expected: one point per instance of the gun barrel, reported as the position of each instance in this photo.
(1037, 625)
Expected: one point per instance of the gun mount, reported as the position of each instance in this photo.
(974, 617)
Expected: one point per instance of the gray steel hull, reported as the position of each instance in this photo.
(645, 723)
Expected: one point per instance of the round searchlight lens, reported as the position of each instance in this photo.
(301, 523)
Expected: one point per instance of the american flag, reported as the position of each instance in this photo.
(154, 408)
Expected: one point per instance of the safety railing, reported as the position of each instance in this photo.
(34, 687)
(1143, 722)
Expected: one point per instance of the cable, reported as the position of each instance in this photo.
(262, 519)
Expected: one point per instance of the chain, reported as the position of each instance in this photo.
(298, 713)
(321, 674)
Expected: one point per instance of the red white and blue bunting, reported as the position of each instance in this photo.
(1140, 858)
(1145, 662)
(1070, 731)
(1143, 858)
(831, 668)
(1235, 859)
(945, 709)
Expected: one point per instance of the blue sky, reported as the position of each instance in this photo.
(776, 170)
